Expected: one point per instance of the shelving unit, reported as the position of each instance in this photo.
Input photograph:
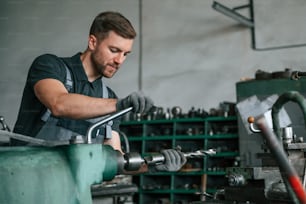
(199, 175)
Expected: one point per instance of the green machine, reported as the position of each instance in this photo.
(272, 146)
(62, 172)
(50, 172)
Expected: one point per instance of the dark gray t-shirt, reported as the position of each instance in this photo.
(50, 66)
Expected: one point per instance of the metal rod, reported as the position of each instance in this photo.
(233, 14)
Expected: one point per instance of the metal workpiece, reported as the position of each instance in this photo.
(155, 159)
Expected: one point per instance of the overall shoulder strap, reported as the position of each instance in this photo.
(68, 85)
(68, 82)
(104, 90)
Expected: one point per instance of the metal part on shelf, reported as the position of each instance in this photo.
(286, 74)
(225, 109)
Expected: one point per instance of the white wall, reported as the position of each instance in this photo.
(192, 55)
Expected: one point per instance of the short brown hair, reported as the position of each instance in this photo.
(112, 21)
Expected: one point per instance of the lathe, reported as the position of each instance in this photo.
(54, 172)
(59, 171)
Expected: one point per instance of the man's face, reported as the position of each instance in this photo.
(108, 54)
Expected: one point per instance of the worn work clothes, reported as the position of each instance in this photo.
(29, 120)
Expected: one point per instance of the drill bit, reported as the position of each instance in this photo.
(199, 153)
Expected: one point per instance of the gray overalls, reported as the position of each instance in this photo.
(63, 129)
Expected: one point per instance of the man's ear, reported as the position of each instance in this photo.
(92, 42)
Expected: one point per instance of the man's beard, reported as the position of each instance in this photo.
(96, 65)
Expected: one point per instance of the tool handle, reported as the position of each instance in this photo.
(103, 121)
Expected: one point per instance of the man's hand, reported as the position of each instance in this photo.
(174, 160)
(137, 100)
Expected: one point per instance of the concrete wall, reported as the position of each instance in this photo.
(191, 54)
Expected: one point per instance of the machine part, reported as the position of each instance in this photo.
(251, 121)
(296, 75)
(103, 121)
(75, 140)
(78, 139)
(63, 174)
(159, 158)
(126, 141)
(33, 141)
(287, 135)
(133, 161)
(236, 180)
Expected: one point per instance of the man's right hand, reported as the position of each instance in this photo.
(137, 100)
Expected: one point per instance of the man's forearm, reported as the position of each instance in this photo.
(78, 106)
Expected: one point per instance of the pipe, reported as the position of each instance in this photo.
(283, 99)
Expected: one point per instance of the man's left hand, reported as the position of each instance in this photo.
(174, 160)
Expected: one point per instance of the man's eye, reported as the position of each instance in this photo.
(114, 50)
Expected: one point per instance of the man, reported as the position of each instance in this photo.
(64, 96)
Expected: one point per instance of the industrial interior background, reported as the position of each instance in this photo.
(186, 53)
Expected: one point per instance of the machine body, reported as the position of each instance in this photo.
(61, 174)
(261, 177)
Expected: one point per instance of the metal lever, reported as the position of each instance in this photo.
(103, 121)
(251, 121)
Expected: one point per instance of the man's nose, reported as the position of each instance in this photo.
(119, 59)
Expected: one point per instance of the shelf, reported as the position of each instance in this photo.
(225, 154)
(166, 191)
(191, 134)
(183, 137)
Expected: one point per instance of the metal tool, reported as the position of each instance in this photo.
(159, 158)
(103, 121)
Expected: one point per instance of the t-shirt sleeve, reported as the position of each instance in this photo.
(46, 66)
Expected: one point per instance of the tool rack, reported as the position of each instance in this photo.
(199, 176)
